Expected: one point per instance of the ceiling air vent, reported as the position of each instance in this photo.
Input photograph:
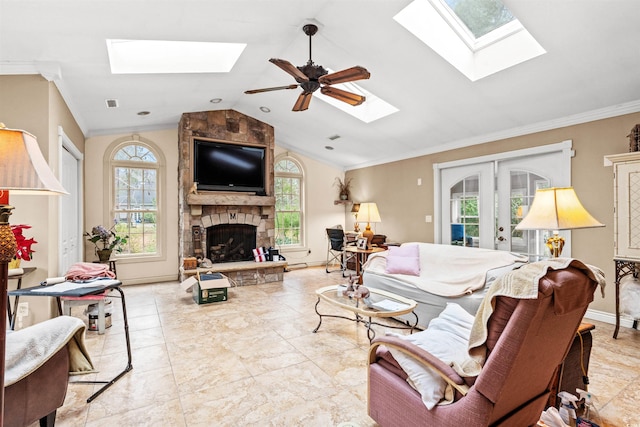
(112, 103)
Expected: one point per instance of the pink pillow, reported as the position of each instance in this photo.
(403, 265)
(403, 260)
(404, 250)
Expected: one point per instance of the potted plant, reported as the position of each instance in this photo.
(108, 239)
(24, 251)
(344, 188)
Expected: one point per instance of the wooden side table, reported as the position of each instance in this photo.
(624, 267)
(569, 374)
(361, 257)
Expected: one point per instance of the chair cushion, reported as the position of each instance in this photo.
(446, 338)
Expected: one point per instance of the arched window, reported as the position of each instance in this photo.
(289, 186)
(135, 177)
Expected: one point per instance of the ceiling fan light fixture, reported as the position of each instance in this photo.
(310, 77)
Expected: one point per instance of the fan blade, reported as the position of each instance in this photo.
(291, 69)
(269, 89)
(348, 75)
(302, 103)
(342, 95)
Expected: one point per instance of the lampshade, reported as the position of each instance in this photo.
(557, 209)
(368, 213)
(23, 169)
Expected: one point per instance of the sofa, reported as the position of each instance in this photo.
(439, 274)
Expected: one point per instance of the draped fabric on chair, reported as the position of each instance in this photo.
(527, 340)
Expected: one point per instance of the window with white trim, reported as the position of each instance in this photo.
(289, 185)
(135, 174)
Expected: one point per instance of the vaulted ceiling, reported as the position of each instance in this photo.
(590, 70)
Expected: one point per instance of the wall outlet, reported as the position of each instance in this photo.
(23, 309)
(428, 218)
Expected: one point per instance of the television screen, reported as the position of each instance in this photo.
(220, 166)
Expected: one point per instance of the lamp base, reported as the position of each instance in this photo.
(369, 235)
(555, 243)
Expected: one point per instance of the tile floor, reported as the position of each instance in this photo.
(254, 361)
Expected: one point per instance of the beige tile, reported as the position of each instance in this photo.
(254, 361)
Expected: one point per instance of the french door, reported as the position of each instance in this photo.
(482, 200)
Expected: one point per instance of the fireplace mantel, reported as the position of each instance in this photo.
(229, 199)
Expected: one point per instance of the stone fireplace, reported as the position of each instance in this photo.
(203, 212)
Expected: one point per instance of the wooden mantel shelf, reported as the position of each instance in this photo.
(230, 199)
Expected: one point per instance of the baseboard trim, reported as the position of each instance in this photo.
(603, 316)
(147, 280)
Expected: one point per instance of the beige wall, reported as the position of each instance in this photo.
(320, 211)
(403, 204)
(96, 205)
(33, 104)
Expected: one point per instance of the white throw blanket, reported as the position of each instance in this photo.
(448, 270)
(29, 348)
(521, 284)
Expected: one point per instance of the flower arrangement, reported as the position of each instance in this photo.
(107, 238)
(24, 245)
(344, 187)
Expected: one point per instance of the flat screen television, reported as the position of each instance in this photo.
(220, 166)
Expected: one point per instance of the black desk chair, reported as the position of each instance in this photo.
(335, 250)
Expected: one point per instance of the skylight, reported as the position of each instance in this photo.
(372, 109)
(480, 16)
(158, 56)
(478, 37)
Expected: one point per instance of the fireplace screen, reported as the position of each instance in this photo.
(231, 242)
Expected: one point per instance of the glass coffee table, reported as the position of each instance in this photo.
(380, 304)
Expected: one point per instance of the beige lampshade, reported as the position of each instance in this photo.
(557, 209)
(368, 213)
(23, 169)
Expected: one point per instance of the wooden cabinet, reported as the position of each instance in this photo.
(626, 197)
(626, 220)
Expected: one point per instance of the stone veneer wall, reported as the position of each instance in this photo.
(209, 208)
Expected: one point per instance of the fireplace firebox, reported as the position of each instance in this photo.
(231, 242)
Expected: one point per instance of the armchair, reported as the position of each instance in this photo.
(526, 340)
(39, 360)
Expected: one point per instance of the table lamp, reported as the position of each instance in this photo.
(368, 213)
(354, 210)
(23, 170)
(557, 209)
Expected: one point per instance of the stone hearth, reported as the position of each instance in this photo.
(207, 208)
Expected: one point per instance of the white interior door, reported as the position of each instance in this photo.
(516, 185)
(70, 228)
(482, 200)
(467, 205)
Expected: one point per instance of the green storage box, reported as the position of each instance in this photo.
(211, 287)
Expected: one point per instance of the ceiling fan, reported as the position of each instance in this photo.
(312, 77)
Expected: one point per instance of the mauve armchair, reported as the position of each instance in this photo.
(39, 361)
(527, 340)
